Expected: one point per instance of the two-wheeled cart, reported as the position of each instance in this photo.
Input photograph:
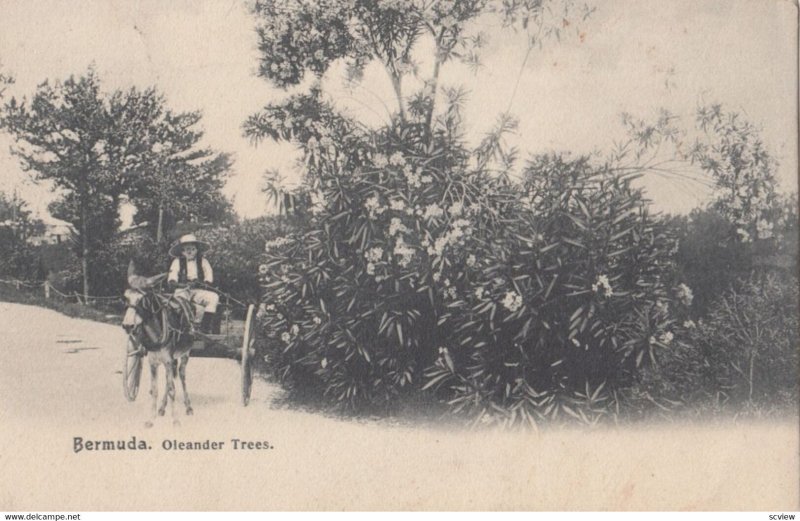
(236, 341)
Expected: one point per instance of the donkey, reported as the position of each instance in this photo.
(163, 331)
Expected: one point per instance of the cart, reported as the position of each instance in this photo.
(237, 341)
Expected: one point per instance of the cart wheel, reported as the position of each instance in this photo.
(132, 372)
(248, 351)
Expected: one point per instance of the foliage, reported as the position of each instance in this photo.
(416, 270)
(99, 149)
(741, 356)
(563, 304)
(236, 254)
(19, 258)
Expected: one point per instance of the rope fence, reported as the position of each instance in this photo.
(49, 291)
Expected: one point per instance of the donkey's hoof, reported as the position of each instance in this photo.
(189, 411)
(161, 412)
(148, 424)
(176, 423)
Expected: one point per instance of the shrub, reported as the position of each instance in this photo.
(559, 307)
(741, 357)
(418, 270)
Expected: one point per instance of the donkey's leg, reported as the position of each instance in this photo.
(169, 386)
(172, 369)
(153, 387)
(183, 361)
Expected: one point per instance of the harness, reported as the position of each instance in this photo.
(152, 305)
(201, 276)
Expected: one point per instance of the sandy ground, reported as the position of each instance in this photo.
(61, 379)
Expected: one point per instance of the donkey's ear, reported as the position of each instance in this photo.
(155, 279)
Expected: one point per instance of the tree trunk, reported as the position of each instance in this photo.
(398, 91)
(159, 230)
(84, 254)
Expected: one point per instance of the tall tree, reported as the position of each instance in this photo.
(99, 148)
(183, 180)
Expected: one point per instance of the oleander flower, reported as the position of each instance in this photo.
(512, 301)
(603, 285)
(397, 159)
(380, 160)
(685, 294)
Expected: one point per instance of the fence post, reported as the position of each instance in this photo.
(47, 289)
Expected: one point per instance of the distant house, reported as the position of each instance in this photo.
(56, 231)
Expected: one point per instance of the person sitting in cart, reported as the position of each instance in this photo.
(188, 273)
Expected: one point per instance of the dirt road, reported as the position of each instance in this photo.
(61, 381)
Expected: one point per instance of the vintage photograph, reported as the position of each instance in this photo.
(399, 255)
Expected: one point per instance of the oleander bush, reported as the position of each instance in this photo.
(419, 271)
(742, 357)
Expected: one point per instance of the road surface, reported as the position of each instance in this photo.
(61, 380)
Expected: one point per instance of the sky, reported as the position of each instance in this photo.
(635, 56)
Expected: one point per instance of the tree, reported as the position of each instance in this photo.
(184, 181)
(16, 227)
(308, 36)
(421, 265)
(99, 148)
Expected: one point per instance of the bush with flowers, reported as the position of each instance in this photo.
(422, 267)
(418, 271)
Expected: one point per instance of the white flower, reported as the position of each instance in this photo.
(425, 179)
(743, 234)
(374, 254)
(271, 307)
(432, 211)
(651, 340)
(512, 301)
(294, 329)
(452, 292)
(397, 204)
(666, 337)
(373, 206)
(685, 294)
(689, 324)
(380, 160)
(604, 285)
(479, 292)
(764, 229)
(436, 277)
(370, 269)
(404, 251)
(397, 159)
(471, 260)
(455, 209)
(276, 243)
(317, 320)
(286, 337)
(396, 226)
(263, 269)
(324, 363)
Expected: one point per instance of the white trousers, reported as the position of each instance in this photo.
(203, 299)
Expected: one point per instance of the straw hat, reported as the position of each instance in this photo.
(177, 247)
